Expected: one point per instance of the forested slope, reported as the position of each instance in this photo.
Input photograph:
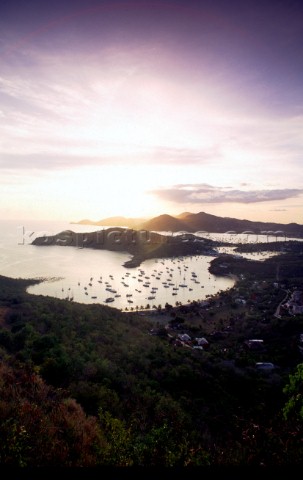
(87, 385)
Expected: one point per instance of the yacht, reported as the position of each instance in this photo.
(109, 299)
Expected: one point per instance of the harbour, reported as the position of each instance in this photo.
(93, 276)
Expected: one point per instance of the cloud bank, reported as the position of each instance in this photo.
(202, 193)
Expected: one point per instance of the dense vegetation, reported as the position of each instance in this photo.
(87, 385)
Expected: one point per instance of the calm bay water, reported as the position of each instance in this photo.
(92, 276)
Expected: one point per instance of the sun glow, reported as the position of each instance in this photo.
(99, 192)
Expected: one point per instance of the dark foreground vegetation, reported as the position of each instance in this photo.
(89, 386)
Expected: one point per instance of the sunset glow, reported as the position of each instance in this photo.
(138, 109)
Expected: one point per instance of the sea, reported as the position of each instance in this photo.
(89, 276)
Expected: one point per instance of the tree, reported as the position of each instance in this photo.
(293, 408)
(117, 450)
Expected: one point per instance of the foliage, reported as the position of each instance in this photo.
(41, 426)
(294, 391)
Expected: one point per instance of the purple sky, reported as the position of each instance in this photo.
(143, 108)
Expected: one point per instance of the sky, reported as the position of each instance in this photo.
(140, 108)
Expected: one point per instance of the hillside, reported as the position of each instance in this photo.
(88, 385)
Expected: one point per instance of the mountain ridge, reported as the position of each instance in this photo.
(201, 221)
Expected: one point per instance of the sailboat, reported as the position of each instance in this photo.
(109, 300)
(183, 285)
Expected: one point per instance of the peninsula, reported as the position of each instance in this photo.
(140, 244)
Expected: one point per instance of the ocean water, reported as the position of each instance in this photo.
(92, 276)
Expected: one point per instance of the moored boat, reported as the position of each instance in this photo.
(109, 299)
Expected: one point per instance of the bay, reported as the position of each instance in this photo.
(92, 276)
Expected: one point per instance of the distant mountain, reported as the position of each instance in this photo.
(183, 215)
(212, 223)
(193, 222)
(114, 222)
(84, 222)
(164, 223)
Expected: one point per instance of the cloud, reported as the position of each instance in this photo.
(183, 156)
(52, 162)
(83, 153)
(203, 193)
